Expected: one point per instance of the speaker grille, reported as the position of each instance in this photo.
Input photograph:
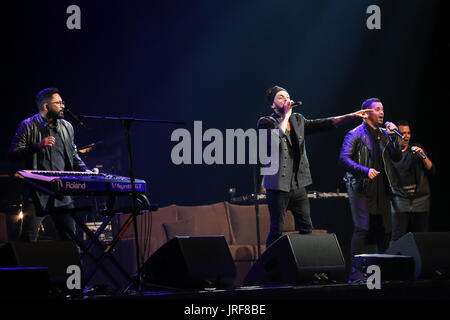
(295, 259)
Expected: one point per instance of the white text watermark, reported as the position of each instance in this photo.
(236, 146)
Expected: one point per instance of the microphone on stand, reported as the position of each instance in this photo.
(75, 117)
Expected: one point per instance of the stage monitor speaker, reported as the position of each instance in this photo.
(56, 256)
(191, 262)
(24, 282)
(430, 250)
(296, 259)
(392, 267)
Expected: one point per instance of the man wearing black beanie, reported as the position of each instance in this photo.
(285, 190)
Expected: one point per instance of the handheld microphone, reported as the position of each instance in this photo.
(293, 104)
(386, 124)
(75, 117)
(296, 104)
(415, 150)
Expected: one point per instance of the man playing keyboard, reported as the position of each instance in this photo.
(45, 141)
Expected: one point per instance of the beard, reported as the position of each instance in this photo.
(55, 115)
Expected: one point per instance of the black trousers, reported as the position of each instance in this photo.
(32, 221)
(279, 202)
(369, 233)
(403, 222)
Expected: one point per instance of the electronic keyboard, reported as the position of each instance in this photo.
(79, 182)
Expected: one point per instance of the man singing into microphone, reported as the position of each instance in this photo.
(410, 209)
(367, 153)
(285, 190)
(45, 141)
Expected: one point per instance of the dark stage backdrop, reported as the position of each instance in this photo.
(212, 61)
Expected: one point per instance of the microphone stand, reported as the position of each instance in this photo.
(255, 191)
(75, 117)
(127, 121)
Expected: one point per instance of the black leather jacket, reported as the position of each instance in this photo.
(30, 132)
(24, 148)
(357, 158)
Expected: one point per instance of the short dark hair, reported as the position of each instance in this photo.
(366, 104)
(45, 95)
(402, 123)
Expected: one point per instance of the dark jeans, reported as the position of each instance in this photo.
(279, 202)
(32, 221)
(403, 222)
(369, 234)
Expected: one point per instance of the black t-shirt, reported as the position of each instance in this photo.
(55, 159)
(406, 168)
(58, 157)
(409, 170)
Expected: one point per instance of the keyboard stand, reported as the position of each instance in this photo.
(109, 214)
(94, 242)
(84, 248)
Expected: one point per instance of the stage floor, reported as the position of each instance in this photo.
(275, 301)
(269, 302)
(392, 290)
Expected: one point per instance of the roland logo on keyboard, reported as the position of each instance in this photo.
(75, 185)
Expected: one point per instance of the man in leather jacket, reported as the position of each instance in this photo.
(367, 153)
(45, 141)
(285, 189)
